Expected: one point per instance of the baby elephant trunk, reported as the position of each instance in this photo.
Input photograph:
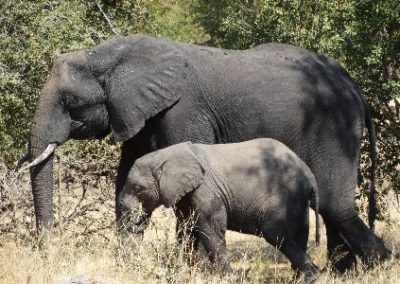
(314, 202)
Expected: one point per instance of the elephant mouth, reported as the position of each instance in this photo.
(77, 127)
(80, 130)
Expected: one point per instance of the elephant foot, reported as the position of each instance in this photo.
(378, 257)
(219, 269)
(360, 241)
(374, 252)
(308, 276)
(222, 269)
(308, 273)
(311, 278)
(128, 240)
(342, 262)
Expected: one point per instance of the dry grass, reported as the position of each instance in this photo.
(85, 248)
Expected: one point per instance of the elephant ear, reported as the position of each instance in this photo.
(178, 177)
(138, 92)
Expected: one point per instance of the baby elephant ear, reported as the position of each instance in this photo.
(178, 177)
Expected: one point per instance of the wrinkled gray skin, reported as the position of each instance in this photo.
(256, 187)
(152, 93)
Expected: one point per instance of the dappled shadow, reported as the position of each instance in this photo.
(334, 109)
(291, 186)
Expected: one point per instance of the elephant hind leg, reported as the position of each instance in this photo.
(302, 232)
(363, 241)
(340, 256)
(347, 235)
(300, 260)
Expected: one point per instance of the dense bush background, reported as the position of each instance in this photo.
(34, 33)
(364, 35)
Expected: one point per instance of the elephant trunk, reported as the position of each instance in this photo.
(42, 185)
(50, 127)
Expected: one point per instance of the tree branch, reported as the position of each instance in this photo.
(107, 19)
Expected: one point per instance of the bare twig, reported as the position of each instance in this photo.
(107, 19)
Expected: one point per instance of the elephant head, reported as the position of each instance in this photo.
(114, 87)
(163, 177)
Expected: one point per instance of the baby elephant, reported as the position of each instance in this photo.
(256, 187)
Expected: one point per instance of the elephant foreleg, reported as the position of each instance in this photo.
(211, 237)
(184, 231)
(215, 248)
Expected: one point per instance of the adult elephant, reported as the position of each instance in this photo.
(151, 93)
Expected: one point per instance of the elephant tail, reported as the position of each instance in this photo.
(372, 172)
(314, 202)
(316, 210)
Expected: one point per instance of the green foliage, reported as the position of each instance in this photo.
(34, 33)
(373, 58)
(173, 19)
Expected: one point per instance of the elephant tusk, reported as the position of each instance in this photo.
(46, 153)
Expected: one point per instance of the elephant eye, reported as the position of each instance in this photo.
(137, 188)
(71, 104)
(70, 99)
